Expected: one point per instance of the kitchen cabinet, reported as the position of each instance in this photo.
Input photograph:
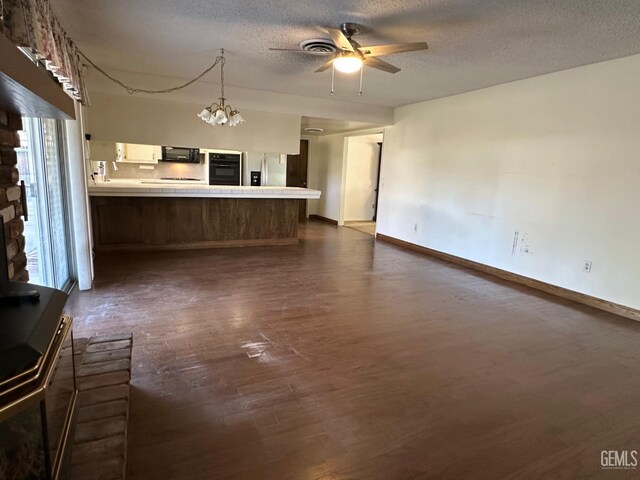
(137, 153)
(133, 223)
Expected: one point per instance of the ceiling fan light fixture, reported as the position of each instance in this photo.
(348, 63)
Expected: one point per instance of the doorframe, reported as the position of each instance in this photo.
(375, 210)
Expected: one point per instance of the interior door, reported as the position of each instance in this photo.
(297, 166)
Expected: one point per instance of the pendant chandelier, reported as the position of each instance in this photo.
(219, 113)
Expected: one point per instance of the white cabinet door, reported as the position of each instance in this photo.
(141, 153)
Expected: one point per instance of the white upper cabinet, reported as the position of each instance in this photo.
(136, 153)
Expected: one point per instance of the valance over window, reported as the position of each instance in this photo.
(32, 24)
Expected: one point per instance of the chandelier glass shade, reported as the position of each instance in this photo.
(219, 113)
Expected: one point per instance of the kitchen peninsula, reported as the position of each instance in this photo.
(135, 215)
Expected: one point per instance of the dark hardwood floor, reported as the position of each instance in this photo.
(342, 359)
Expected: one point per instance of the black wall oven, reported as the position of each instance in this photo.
(224, 168)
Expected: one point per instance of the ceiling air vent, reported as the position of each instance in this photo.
(319, 46)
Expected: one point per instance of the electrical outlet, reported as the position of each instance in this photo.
(415, 227)
(586, 266)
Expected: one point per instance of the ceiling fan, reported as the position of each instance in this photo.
(349, 56)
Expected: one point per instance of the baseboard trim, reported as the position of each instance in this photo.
(562, 292)
(323, 219)
(266, 242)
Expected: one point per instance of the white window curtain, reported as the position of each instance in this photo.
(31, 24)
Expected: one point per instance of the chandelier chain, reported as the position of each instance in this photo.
(222, 61)
(220, 113)
(131, 90)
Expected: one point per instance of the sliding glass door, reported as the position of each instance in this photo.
(42, 167)
(54, 152)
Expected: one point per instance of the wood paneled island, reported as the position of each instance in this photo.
(136, 217)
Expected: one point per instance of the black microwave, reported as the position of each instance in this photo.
(180, 154)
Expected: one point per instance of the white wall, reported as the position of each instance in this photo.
(554, 158)
(154, 121)
(361, 176)
(328, 172)
(326, 161)
(206, 90)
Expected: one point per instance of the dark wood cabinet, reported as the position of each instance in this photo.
(157, 223)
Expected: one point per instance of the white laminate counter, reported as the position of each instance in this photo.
(145, 188)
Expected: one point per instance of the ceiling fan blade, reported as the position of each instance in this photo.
(380, 65)
(325, 66)
(379, 50)
(339, 39)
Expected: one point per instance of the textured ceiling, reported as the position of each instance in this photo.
(330, 126)
(473, 43)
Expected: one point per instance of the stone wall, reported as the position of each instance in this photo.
(10, 201)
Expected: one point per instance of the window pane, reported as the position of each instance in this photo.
(31, 172)
(56, 203)
(41, 166)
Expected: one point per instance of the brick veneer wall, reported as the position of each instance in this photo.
(10, 201)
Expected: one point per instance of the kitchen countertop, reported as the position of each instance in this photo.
(173, 188)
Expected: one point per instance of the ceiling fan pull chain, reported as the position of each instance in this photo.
(333, 74)
(361, 73)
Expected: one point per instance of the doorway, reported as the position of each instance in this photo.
(361, 182)
(297, 168)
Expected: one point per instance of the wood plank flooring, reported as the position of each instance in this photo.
(365, 227)
(342, 359)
